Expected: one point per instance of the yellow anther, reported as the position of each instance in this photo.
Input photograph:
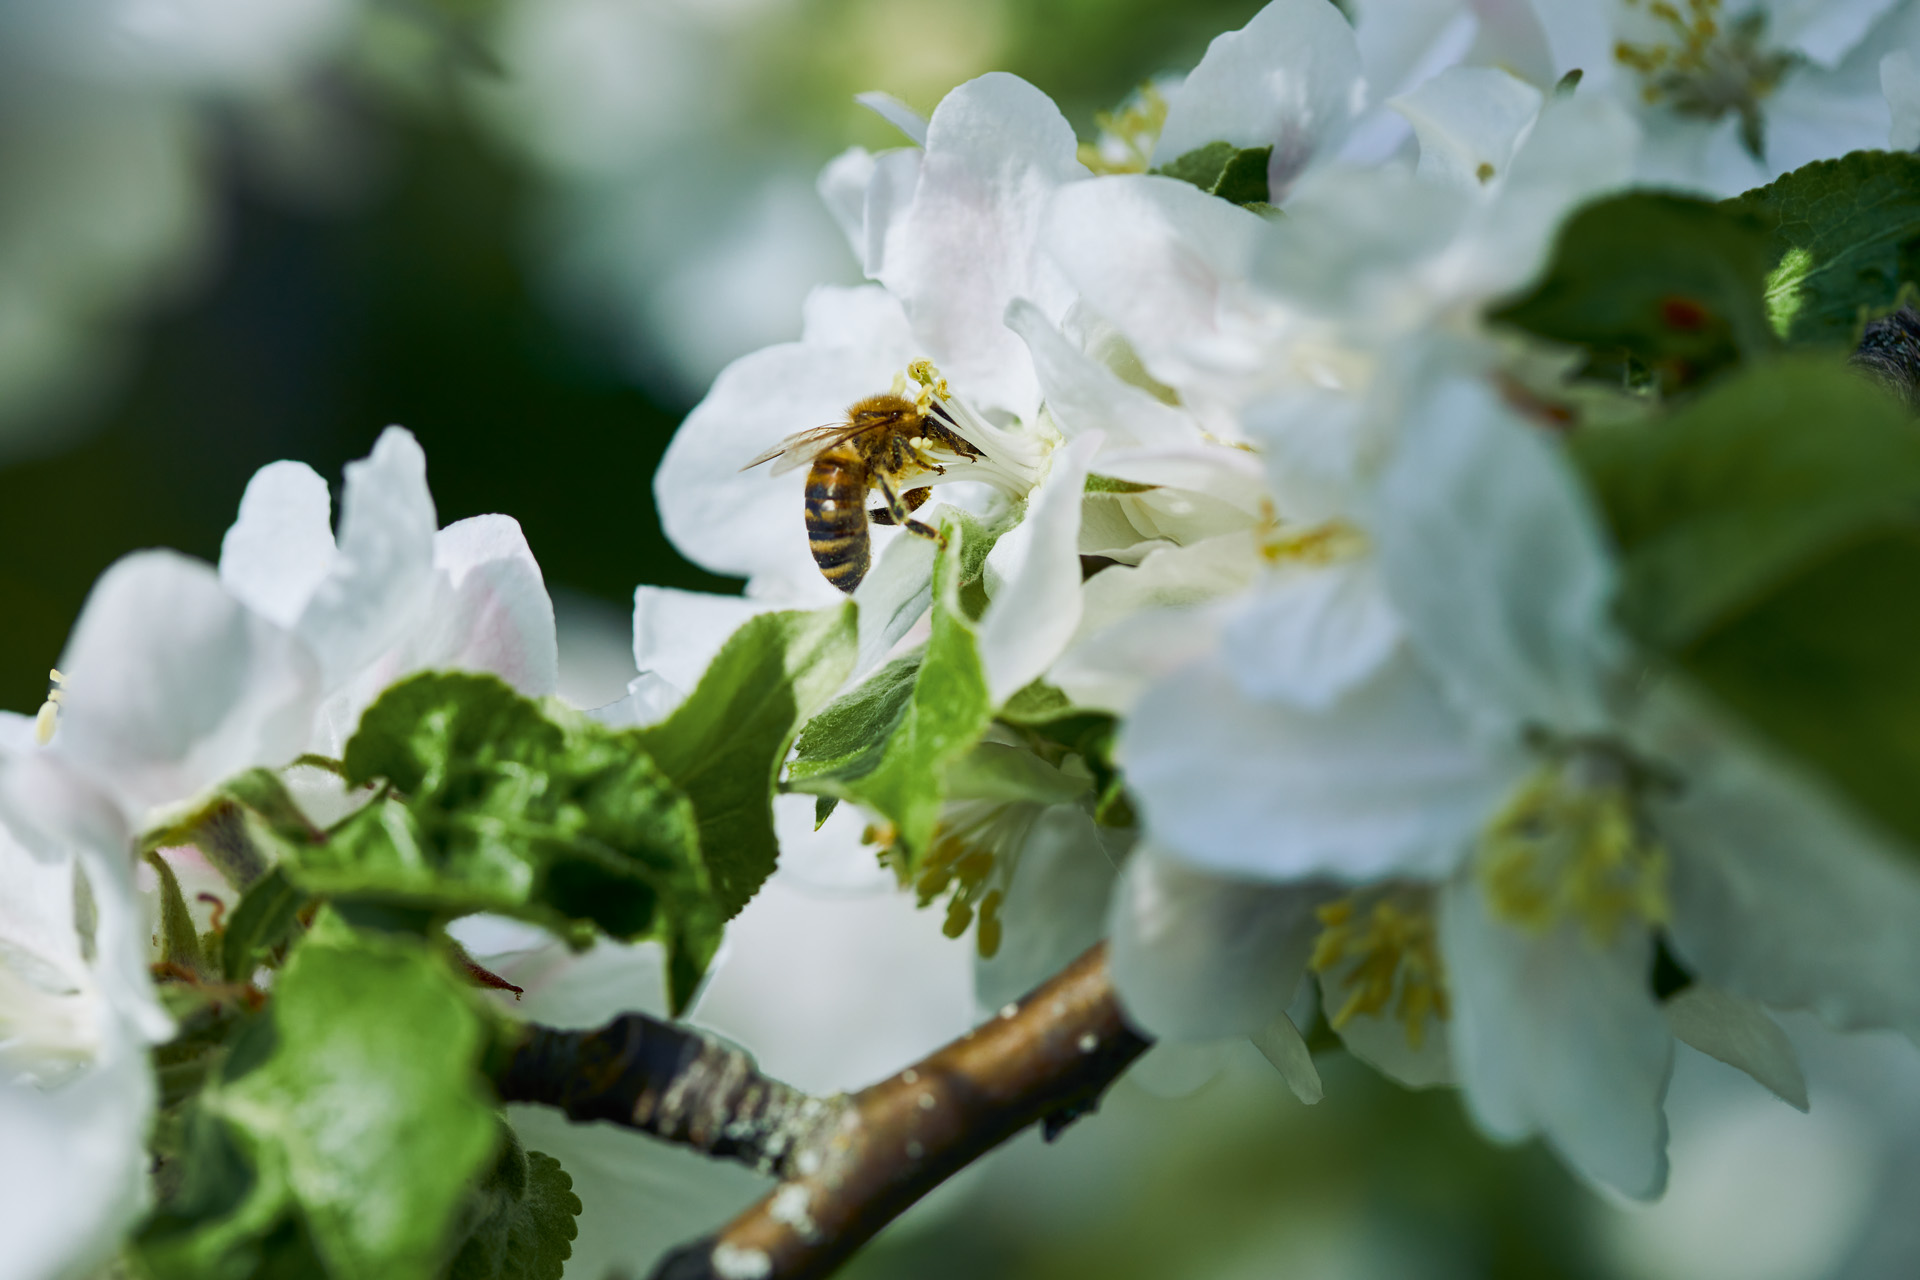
(932, 385)
(49, 717)
(1572, 847)
(1389, 944)
(1320, 544)
(987, 937)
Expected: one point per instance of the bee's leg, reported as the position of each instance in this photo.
(900, 508)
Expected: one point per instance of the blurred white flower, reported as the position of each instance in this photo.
(393, 594)
(1519, 827)
(77, 1013)
(1734, 93)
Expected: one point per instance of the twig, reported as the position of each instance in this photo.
(667, 1081)
(1046, 1059)
(848, 1165)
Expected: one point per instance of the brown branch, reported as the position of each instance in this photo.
(1045, 1059)
(848, 1165)
(671, 1082)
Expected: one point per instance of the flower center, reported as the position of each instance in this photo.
(1127, 136)
(1698, 68)
(1381, 948)
(1012, 460)
(1571, 845)
(971, 862)
(1331, 542)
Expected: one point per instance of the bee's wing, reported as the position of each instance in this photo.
(803, 447)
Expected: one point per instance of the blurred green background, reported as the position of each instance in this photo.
(531, 231)
(401, 274)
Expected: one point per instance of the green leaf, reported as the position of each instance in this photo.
(1827, 667)
(1233, 173)
(524, 1214)
(263, 922)
(496, 806)
(1107, 484)
(1719, 502)
(848, 739)
(724, 745)
(1844, 240)
(927, 725)
(346, 1127)
(1662, 282)
(243, 827)
(179, 940)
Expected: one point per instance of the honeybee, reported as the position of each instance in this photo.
(886, 442)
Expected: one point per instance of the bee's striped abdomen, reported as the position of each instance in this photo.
(837, 517)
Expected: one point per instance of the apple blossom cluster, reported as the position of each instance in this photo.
(1432, 582)
(1300, 668)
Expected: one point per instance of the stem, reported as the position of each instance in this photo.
(673, 1083)
(1045, 1059)
(848, 1165)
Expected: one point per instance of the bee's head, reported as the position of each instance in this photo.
(880, 411)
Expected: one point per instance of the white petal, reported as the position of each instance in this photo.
(491, 610)
(1084, 395)
(487, 611)
(1289, 79)
(843, 187)
(1321, 449)
(1310, 633)
(1164, 262)
(1404, 43)
(1170, 578)
(1819, 116)
(1199, 956)
(1218, 471)
(383, 572)
(1351, 241)
(1780, 892)
(74, 1180)
(1557, 1035)
(752, 524)
(1386, 781)
(173, 685)
(1496, 561)
(896, 113)
(896, 594)
(677, 633)
(281, 545)
(1281, 1044)
(836, 991)
(1055, 906)
(1127, 528)
(1739, 1033)
(1580, 37)
(1823, 30)
(569, 989)
(1580, 148)
(1033, 578)
(1900, 81)
(896, 177)
(1112, 667)
(997, 148)
(1469, 121)
(832, 858)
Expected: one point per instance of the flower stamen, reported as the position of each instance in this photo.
(1389, 949)
(49, 717)
(1571, 845)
